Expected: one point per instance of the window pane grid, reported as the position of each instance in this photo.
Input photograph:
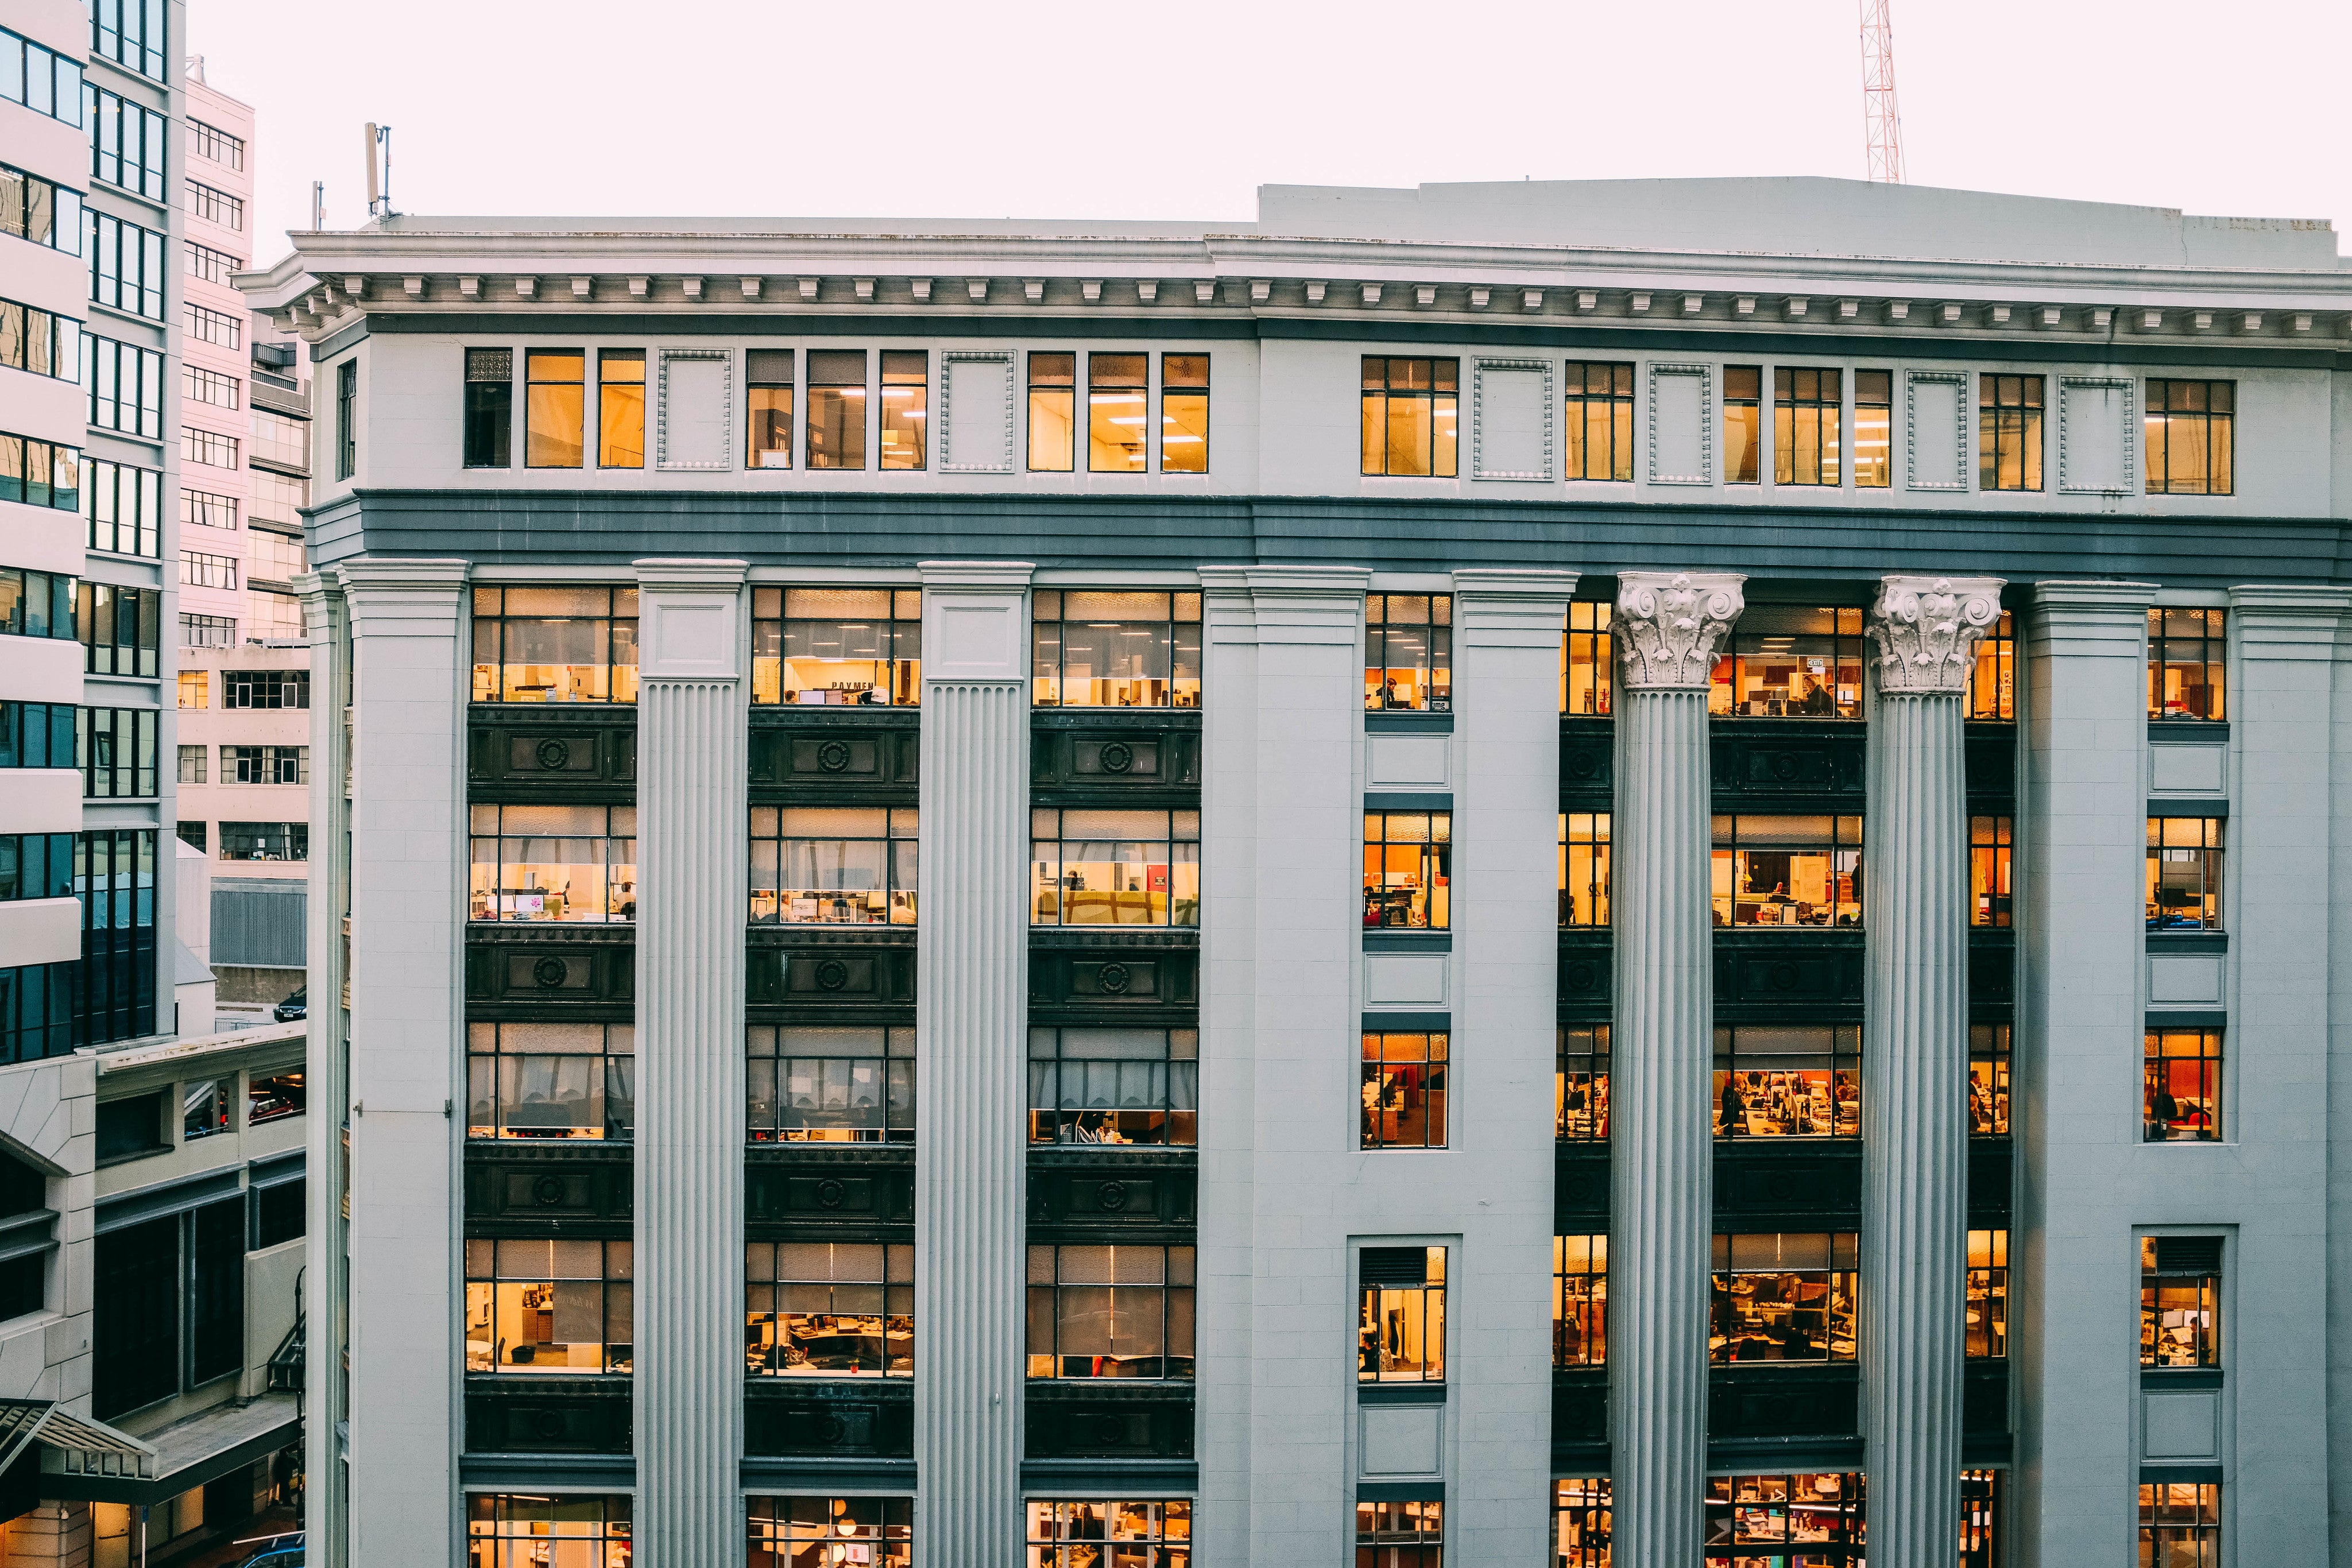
(2009, 433)
(1988, 1080)
(555, 644)
(1109, 1534)
(1599, 425)
(1743, 397)
(2187, 663)
(1122, 1312)
(1992, 679)
(1579, 1307)
(1114, 1086)
(837, 647)
(2184, 873)
(1409, 417)
(1873, 424)
(1788, 871)
(1115, 868)
(835, 1085)
(1788, 1081)
(2182, 1087)
(1586, 676)
(2180, 1524)
(1790, 662)
(2191, 437)
(1115, 649)
(1580, 1083)
(829, 1309)
(540, 1307)
(1404, 1091)
(1989, 852)
(1988, 1288)
(2180, 1302)
(540, 1080)
(1408, 869)
(1401, 1322)
(834, 866)
(1409, 651)
(1583, 869)
(799, 1531)
(1783, 1298)
(575, 863)
(1183, 414)
(561, 1530)
(1807, 404)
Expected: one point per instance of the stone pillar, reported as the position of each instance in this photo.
(972, 989)
(408, 852)
(1924, 631)
(1660, 1154)
(326, 1284)
(693, 773)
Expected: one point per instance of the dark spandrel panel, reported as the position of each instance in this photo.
(1761, 979)
(837, 755)
(1989, 1182)
(1993, 973)
(503, 966)
(1759, 1401)
(1580, 1189)
(1139, 1422)
(1580, 1408)
(829, 1189)
(1105, 1200)
(2188, 1254)
(582, 1188)
(547, 1415)
(573, 755)
(1991, 757)
(1144, 985)
(1588, 762)
(1588, 976)
(835, 980)
(1984, 1397)
(1759, 1188)
(817, 1418)
(1778, 761)
(1116, 765)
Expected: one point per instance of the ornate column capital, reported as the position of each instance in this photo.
(1668, 626)
(1926, 630)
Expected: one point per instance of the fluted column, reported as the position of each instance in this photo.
(1661, 1228)
(972, 984)
(1923, 633)
(693, 866)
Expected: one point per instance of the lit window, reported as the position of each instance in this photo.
(1600, 423)
(1992, 679)
(554, 407)
(264, 840)
(1988, 871)
(1116, 649)
(2009, 433)
(833, 865)
(1410, 409)
(1401, 1323)
(1810, 1519)
(829, 1309)
(1064, 1534)
(1183, 414)
(837, 646)
(2180, 1524)
(1988, 1080)
(1788, 1081)
(575, 863)
(821, 1532)
(1788, 871)
(1979, 1518)
(547, 1307)
(1581, 1522)
(550, 1080)
(1585, 674)
(1580, 1083)
(836, 408)
(621, 408)
(1806, 407)
(1407, 858)
(2179, 1300)
(1785, 661)
(768, 394)
(1114, 868)
(1053, 412)
(1584, 868)
(829, 1085)
(1988, 1319)
(1116, 426)
(1406, 1535)
(1785, 1297)
(1403, 1092)
(2182, 1099)
(555, 644)
(905, 405)
(507, 1531)
(1110, 1312)
(2187, 663)
(2192, 430)
(2184, 873)
(1409, 651)
(275, 1095)
(1873, 422)
(1743, 399)
(1579, 1301)
(1114, 1086)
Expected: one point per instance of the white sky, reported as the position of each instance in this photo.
(1179, 111)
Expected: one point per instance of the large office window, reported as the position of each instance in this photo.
(207, 631)
(2191, 429)
(836, 408)
(47, 344)
(2182, 1085)
(1114, 868)
(192, 764)
(2180, 1524)
(124, 385)
(209, 326)
(215, 207)
(829, 1309)
(116, 747)
(2184, 873)
(905, 408)
(126, 142)
(1988, 871)
(489, 408)
(211, 142)
(1408, 869)
(169, 1300)
(1584, 868)
(1579, 1300)
(128, 271)
(119, 627)
(620, 408)
(280, 689)
(1586, 676)
(1401, 1534)
(1409, 651)
(42, 473)
(1110, 1312)
(277, 438)
(37, 735)
(264, 840)
(1743, 431)
(1787, 662)
(1784, 1297)
(1599, 421)
(2179, 1300)
(550, 1080)
(198, 385)
(1788, 871)
(36, 865)
(1183, 414)
(38, 1011)
(130, 33)
(1109, 1535)
(555, 644)
(1114, 1086)
(44, 604)
(829, 1084)
(40, 211)
(540, 1307)
(45, 82)
(1053, 412)
(1988, 1080)
(1812, 1520)
(548, 1530)
(1874, 426)
(208, 448)
(1581, 1516)
(837, 646)
(2009, 433)
(818, 1531)
(1404, 1090)
(1580, 1083)
(1400, 1314)
(1807, 405)
(554, 408)
(1410, 409)
(1117, 428)
(1788, 1081)
(833, 865)
(1115, 649)
(202, 568)
(2187, 663)
(575, 863)
(768, 403)
(122, 508)
(1988, 1287)
(1992, 679)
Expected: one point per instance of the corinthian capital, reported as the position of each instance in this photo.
(1926, 629)
(1668, 626)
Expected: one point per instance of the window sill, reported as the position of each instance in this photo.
(2188, 732)
(2179, 1377)
(2174, 942)
(1400, 1393)
(1407, 941)
(1383, 721)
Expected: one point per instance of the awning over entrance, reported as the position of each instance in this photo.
(71, 1445)
(185, 1454)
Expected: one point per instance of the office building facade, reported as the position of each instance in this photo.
(1022, 892)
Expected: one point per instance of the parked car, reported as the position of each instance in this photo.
(297, 1005)
(278, 1550)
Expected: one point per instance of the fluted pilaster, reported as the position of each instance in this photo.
(971, 1054)
(693, 864)
(1914, 1076)
(1668, 629)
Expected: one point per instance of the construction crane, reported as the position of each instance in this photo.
(1882, 126)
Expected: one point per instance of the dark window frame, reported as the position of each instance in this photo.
(496, 621)
(502, 1074)
(871, 1308)
(1873, 394)
(829, 1059)
(2203, 633)
(2166, 1114)
(1184, 430)
(1408, 1067)
(1172, 619)
(2011, 417)
(488, 412)
(1587, 671)
(1599, 402)
(1054, 1307)
(1166, 1114)
(1579, 1299)
(892, 615)
(1434, 382)
(1409, 636)
(2185, 412)
(1809, 417)
(2202, 842)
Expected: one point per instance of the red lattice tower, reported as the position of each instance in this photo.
(1882, 126)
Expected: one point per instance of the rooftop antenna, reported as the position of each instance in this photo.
(318, 205)
(379, 170)
(1881, 125)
